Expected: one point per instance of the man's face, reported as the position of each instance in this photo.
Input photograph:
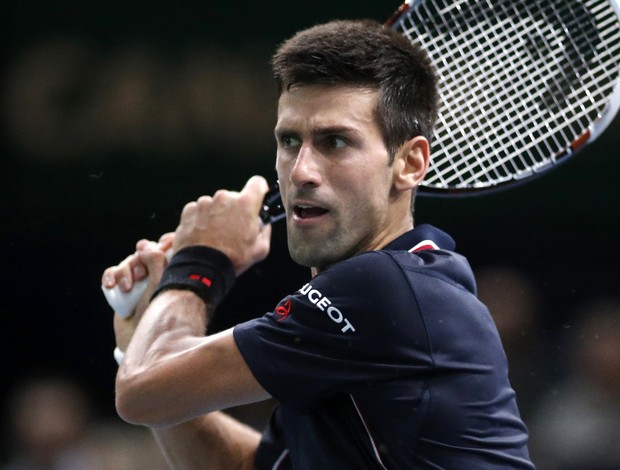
(334, 175)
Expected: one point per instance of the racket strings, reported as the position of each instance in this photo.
(508, 72)
(518, 121)
(506, 94)
(471, 116)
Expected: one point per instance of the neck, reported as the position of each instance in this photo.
(391, 232)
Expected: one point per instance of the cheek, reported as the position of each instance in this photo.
(282, 170)
(366, 197)
(372, 183)
(279, 163)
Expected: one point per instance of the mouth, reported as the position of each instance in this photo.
(305, 212)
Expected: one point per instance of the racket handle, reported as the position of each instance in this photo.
(124, 303)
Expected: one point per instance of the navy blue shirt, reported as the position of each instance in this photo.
(386, 360)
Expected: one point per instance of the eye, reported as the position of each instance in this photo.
(336, 142)
(290, 141)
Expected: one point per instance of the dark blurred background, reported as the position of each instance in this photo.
(114, 114)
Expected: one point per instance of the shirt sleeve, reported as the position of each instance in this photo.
(272, 453)
(354, 324)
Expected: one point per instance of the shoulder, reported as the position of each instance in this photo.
(365, 284)
(442, 266)
(360, 267)
(374, 269)
(364, 275)
(371, 271)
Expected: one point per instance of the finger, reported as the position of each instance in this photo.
(217, 196)
(141, 269)
(108, 279)
(142, 242)
(205, 203)
(154, 260)
(257, 184)
(165, 241)
(189, 211)
(123, 274)
(254, 191)
(112, 274)
(146, 244)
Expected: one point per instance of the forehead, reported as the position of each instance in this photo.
(312, 106)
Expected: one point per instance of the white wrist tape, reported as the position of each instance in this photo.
(118, 355)
(124, 303)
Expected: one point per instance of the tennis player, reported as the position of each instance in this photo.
(385, 359)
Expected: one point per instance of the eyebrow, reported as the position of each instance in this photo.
(282, 131)
(333, 130)
(318, 131)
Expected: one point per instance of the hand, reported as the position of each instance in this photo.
(228, 221)
(148, 261)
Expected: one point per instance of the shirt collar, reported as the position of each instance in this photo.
(423, 236)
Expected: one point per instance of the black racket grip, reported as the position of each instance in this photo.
(272, 210)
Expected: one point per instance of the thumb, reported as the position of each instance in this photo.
(255, 190)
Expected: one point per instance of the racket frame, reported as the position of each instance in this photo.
(589, 135)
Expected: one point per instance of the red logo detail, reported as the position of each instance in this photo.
(197, 277)
(424, 247)
(284, 310)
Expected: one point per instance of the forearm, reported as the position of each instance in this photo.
(174, 322)
(149, 378)
(213, 441)
(174, 379)
(172, 373)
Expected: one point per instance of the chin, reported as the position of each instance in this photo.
(308, 260)
(318, 251)
(311, 258)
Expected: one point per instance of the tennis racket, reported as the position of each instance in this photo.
(524, 85)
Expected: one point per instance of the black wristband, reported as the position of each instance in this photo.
(207, 272)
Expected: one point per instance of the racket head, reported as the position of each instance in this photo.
(524, 85)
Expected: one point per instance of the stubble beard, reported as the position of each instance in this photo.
(314, 251)
(322, 250)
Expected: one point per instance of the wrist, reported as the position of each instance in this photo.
(203, 270)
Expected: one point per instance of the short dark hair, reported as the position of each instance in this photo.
(366, 53)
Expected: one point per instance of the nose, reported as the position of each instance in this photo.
(306, 169)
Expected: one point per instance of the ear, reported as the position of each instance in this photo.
(411, 163)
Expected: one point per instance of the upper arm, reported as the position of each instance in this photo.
(213, 375)
(344, 329)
